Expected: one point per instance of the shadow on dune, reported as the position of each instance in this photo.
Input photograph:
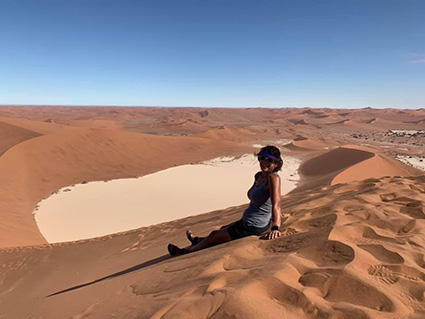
(321, 170)
(117, 274)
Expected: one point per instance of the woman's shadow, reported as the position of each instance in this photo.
(117, 274)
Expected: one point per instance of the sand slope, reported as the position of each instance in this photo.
(376, 166)
(349, 251)
(349, 163)
(35, 126)
(36, 168)
(12, 135)
(335, 160)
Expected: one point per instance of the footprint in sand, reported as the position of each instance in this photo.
(223, 280)
(419, 258)
(383, 254)
(417, 188)
(384, 274)
(354, 208)
(389, 274)
(388, 197)
(415, 301)
(369, 234)
(346, 188)
(336, 285)
(328, 253)
(290, 242)
(323, 221)
(414, 209)
(408, 227)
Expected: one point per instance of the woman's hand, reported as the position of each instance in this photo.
(273, 234)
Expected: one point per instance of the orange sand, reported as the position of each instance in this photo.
(353, 246)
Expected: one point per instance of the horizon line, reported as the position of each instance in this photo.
(213, 107)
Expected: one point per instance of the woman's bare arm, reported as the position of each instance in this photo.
(275, 194)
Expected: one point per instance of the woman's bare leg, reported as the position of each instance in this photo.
(192, 238)
(214, 238)
(199, 239)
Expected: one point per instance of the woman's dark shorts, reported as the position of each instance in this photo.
(240, 230)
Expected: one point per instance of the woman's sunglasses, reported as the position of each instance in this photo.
(263, 158)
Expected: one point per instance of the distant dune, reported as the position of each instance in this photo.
(105, 124)
(335, 160)
(374, 167)
(35, 126)
(347, 164)
(352, 247)
(12, 135)
(227, 133)
(36, 168)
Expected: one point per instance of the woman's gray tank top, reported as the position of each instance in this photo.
(259, 212)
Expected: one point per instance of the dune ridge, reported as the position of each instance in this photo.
(349, 163)
(12, 135)
(374, 167)
(36, 126)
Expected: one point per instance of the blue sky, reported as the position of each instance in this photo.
(227, 53)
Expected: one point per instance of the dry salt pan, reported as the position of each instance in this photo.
(98, 208)
(414, 161)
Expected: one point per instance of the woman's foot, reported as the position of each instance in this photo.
(194, 240)
(173, 250)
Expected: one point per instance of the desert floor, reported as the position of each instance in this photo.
(352, 247)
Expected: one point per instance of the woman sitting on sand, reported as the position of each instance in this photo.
(263, 209)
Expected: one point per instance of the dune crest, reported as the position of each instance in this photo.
(35, 126)
(12, 135)
(374, 167)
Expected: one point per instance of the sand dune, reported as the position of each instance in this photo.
(35, 126)
(374, 167)
(293, 148)
(342, 256)
(350, 163)
(310, 144)
(335, 160)
(103, 124)
(353, 249)
(12, 135)
(344, 122)
(229, 134)
(152, 120)
(79, 154)
(303, 144)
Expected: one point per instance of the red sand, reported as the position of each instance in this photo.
(351, 250)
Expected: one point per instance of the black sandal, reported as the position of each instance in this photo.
(173, 250)
(193, 240)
